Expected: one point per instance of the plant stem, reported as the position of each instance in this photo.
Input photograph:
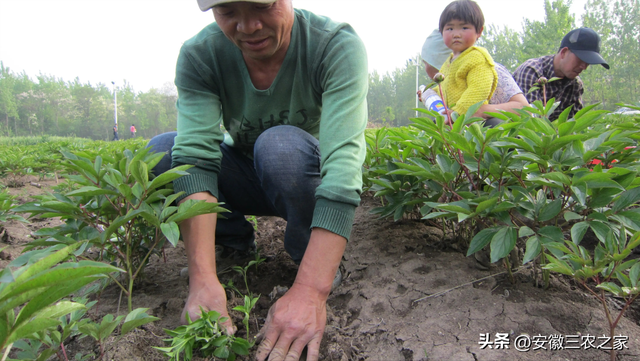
(6, 352)
(129, 296)
(64, 352)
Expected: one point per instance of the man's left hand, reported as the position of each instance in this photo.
(296, 320)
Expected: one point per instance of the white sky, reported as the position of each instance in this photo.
(100, 41)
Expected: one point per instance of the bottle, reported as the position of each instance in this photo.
(432, 100)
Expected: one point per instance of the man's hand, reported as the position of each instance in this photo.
(299, 317)
(210, 295)
(204, 287)
(294, 321)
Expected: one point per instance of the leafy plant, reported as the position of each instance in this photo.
(606, 271)
(119, 208)
(206, 336)
(244, 270)
(6, 210)
(36, 282)
(100, 331)
(249, 304)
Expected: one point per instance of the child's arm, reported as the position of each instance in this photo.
(480, 79)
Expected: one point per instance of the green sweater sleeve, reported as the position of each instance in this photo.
(199, 119)
(344, 74)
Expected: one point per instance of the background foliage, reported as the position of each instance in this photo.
(49, 105)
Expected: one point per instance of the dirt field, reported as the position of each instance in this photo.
(374, 314)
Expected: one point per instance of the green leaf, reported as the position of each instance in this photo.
(90, 191)
(136, 318)
(600, 229)
(626, 199)
(578, 231)
(611, 287)
(558, 266)
(480, 240)
(107, 326)
(39, 266)
(525, 231)
(634, 274)
(29, 328)
(533, 249)
(571, 216)
(191, 208)
(550, 210)
(171, 231)
(502, 243)
(487, 204)
(60, 309)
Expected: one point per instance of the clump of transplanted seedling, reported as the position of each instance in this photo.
(207, 336)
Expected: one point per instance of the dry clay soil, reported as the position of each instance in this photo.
(373, 314)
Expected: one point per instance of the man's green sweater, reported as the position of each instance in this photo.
(321, 87)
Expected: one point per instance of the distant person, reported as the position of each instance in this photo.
(508, 95)
(115, 132)
(578, 49)
(133, 130)
(470, 75)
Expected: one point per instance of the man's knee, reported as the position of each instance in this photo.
(286, 151)
(162, 143)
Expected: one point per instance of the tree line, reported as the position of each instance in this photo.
(392, 96)
(52, 106)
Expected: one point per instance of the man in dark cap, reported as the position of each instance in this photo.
(578, 49)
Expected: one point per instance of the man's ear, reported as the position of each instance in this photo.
(479, 33)
(563, 52)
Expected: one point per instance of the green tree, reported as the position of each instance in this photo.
(8, 105)
(542, 38)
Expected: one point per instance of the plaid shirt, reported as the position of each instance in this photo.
(566, 91)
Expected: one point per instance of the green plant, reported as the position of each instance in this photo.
(120, 209)
(606, 271)
(253, 220)
(100, 331)
(249, 304)
(36, 282)
(244, 270)
(206, 336)
(6, 210)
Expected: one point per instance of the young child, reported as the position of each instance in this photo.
(470, 75)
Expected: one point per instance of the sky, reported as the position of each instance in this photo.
(137, 41)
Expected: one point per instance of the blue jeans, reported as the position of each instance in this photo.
(280, 180)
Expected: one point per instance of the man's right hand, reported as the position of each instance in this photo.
(208, 293)
(205, 289)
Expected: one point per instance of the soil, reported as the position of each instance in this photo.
(375, 313)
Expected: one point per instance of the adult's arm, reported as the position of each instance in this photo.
(205, 289)
(517, 101)
(198, 144)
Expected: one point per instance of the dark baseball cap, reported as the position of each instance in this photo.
(585, 43)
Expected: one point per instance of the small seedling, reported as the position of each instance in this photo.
(207, 335)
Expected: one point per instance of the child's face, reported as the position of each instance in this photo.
(459, 36)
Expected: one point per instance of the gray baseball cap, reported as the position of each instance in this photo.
(208, 4)
(434, 52)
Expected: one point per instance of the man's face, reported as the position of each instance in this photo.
(570, 66)
(259, 30)
(459, 35)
